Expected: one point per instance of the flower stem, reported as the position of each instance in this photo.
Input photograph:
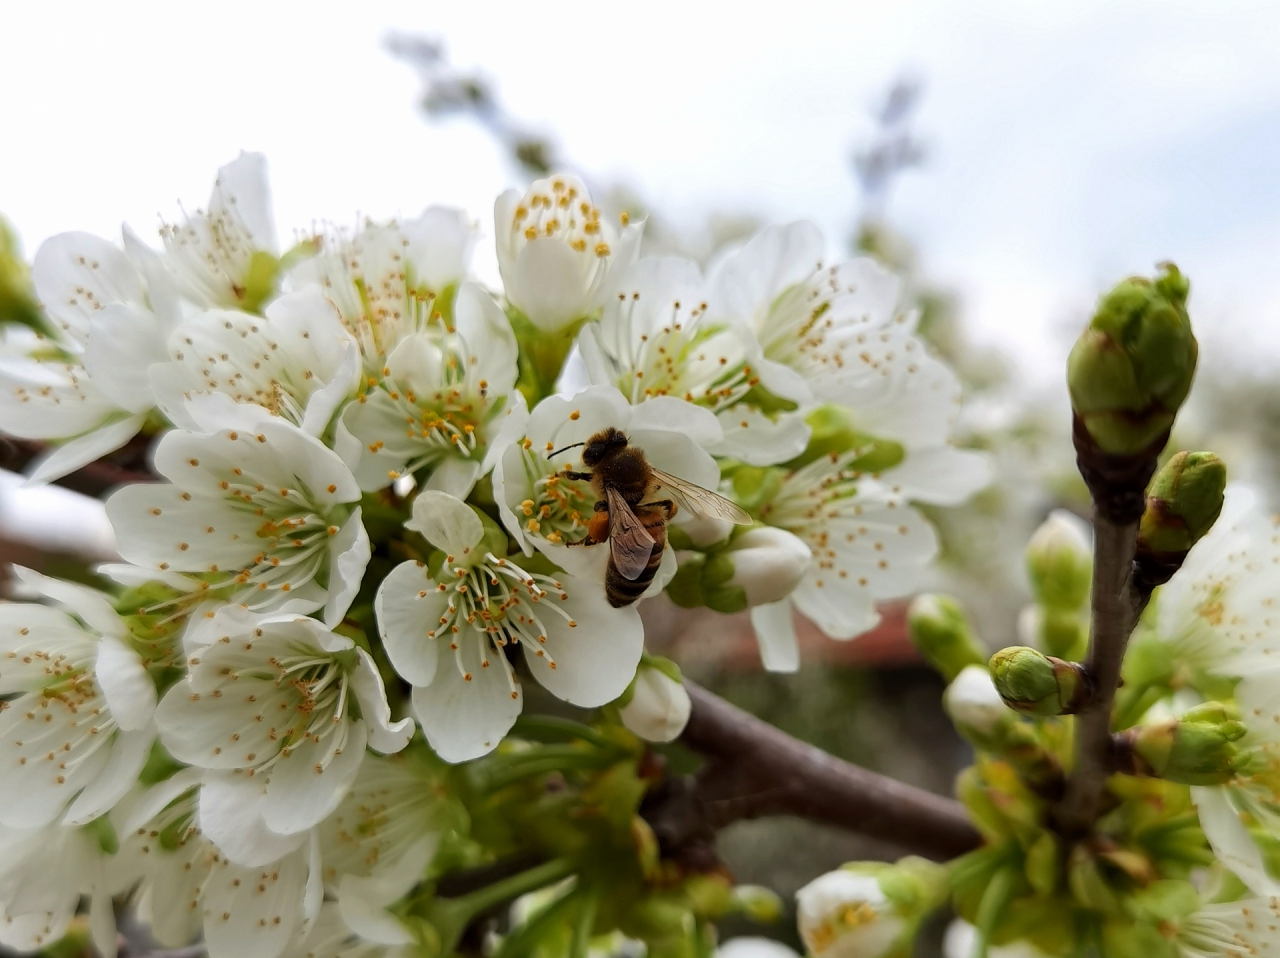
(583, 927)
(540, 876)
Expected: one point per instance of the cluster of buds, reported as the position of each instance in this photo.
(1128, 374)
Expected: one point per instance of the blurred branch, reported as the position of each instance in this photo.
(94, 479)
(754, 770)
(450, 91)
(893, 148)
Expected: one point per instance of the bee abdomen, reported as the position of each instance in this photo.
(622, 591)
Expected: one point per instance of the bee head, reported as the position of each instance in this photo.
(603, 443)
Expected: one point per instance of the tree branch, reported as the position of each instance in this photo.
(1113, 614)
(94, 479)
(755, 770)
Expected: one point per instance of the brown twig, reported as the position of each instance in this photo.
(754, 770)
(94, 480)
(1114, 613)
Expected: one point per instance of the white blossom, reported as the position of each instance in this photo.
(655, 338)
(85, 384)
(1247, 927)
(378, 843)
(188, 887)
(79, 729)
(440, 403)
(844, 914)
(865, 546)
(447, 633)
(391, 280)
(277, 710)
(556, 253)
(297, 362)
(838, 335)
(542, 508)
(754, 948)
(329, 936)
(659, 707)
(255, 507)
(225, 256)
(44, 872)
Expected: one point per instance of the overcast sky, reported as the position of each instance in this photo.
(1069, 143)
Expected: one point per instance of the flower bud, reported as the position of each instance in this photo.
(762, 905)
(1196, 749)
(867, 908)
(1132, 367)
(659, 706)
(1039, 684)
(975, 707)
(768, 564)
(1183, 502)
(761, 566)
(1060, 561)
(940, 631)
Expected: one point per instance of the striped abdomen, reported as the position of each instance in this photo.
(622, 591)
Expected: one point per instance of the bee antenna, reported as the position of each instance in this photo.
(565, 449)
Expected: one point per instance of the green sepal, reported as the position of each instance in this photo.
(259, 283)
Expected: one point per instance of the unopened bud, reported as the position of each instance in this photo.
(1060, 561)
(1039, 684)
(768, 564)
(1132, 367)
(762, 905)
(1196, 749)
(940, 631)
(659, 706)
(842, 914)
(975, 707)
(1183, 502)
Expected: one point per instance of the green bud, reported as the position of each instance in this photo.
(1183, 502)
(1196, 749)
(1132, 367)
(1039, 684)
(1060, 561)
(761, 905)
(940, 631)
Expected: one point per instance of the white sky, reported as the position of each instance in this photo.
(1071, 143)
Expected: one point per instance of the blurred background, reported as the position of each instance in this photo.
(1010, 159)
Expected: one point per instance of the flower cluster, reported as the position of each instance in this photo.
(375, 510)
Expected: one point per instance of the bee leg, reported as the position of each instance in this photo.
(666, 504)
(575, 475)
(601, 506)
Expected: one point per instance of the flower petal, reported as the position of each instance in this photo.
(349, 553)
(466, 719)
(385, 736)
(125, 683)
(83, 450)
(310, 780)
(446, 522)
(776, 633)
(89, 604)
(129, 753)
(229, 813)
(124, 341)
(407, 606)
(77, 274)
(592, 656)
(253, 912)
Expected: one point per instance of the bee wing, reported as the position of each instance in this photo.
(702, 502)
(630, 544)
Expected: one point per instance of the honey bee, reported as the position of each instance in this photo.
(634, 527)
